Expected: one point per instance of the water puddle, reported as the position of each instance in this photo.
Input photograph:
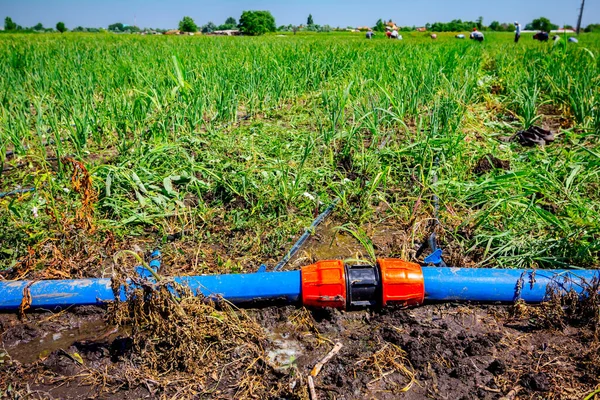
(333, 245)
(41, 346)
(284, 351)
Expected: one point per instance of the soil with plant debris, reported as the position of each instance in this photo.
(159, 345)
(452, 351)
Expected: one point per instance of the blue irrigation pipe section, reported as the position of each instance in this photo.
(237, 288)
(441, 284)
(503, 285)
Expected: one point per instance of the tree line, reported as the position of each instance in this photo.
(260, 22)
(457, 25)
(251, 23)
(10, 25)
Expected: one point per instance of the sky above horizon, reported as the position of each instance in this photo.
(166, 14)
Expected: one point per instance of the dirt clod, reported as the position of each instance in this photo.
(488, 163)
(535, 382)
(497, 367)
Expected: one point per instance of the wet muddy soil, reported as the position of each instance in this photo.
(440, 351)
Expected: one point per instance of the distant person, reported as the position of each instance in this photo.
(394, 34)
(541, 36)
(517, 31)
(370, 34)
(433, 36)
(476, 35)
(461, 36)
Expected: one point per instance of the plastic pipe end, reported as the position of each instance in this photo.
(324, 284)
(401, 282)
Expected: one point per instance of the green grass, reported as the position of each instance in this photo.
(158, 123)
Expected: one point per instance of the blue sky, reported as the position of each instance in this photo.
(166, 14)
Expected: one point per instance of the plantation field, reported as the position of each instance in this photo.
(228, 144)
(220, 151)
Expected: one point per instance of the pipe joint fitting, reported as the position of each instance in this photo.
(324, 284)
(402, 282)
(391, 281)
(363, 286)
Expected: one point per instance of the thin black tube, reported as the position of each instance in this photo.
(305, 235)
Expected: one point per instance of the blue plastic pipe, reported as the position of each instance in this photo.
(236, 288)
(504, 285)
(441, 284)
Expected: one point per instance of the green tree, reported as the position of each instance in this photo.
(187, 24)
(130, 28)
(208, 28)
(379, 26)
(309, 20)
(501, 27)
(480, 23)
(38, 27)
(455, 25)
(257, 22)
(60, 26)
(118, 27)
(230, 23)
(495, 26)
(541, 24)
(592, 28)
(9, 24)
